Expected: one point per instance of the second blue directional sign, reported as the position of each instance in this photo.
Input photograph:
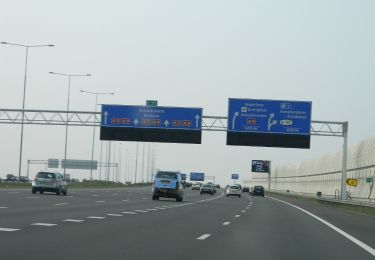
(151, 124)
(273, 123)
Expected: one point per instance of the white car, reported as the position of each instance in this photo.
(233, 190)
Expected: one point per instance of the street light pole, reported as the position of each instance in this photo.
(93, 133)
(67, 109)
(24, 96)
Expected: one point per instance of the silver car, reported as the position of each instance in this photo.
(50, 182)
(233, 190)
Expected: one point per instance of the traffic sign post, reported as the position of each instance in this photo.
(151, 124)
(272, 123)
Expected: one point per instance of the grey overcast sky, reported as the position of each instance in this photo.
(195, 53)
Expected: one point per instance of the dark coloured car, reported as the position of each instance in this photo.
(245, 189)
(207, 188)
(167, 184)
(258, 191)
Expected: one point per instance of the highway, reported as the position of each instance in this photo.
(127, 224)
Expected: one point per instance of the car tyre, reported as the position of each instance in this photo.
(58, 192)
(41, 191)
(65, 192)
(239, 196)
(33, 191)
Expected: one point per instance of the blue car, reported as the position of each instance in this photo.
(167, 184)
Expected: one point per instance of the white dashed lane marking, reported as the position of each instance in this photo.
(143, 211)
(203, 237)
(61, 204)
(9, 229)
(32, 197)
(237, 216)
(44, 224)
(95, 217)
(73, 220)
(226, 223)
(125, 200)
(114, 215)
(100, 201)
(243, 211)
(129, 213)
(151, 209)
(3, 207)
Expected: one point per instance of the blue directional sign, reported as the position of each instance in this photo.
(151, 117)
(196, 176)
(235, 176)
(269, 116)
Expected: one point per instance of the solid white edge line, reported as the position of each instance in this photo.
(341, 232)
(204, 236)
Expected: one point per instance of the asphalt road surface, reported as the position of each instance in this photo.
(127, 224)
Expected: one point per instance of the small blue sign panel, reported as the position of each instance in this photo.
(183, 176)
(269, 116)
(177, 118)
(235, 176)
(196, 176)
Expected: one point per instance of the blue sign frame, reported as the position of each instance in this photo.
(235, 176)
(269, 116)
(145, 117)
(196, 176)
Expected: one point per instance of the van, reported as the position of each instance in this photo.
(167, 184)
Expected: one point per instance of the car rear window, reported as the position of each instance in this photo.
(167, 175)
(258, 188)
(233, 187)
(46, 175)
